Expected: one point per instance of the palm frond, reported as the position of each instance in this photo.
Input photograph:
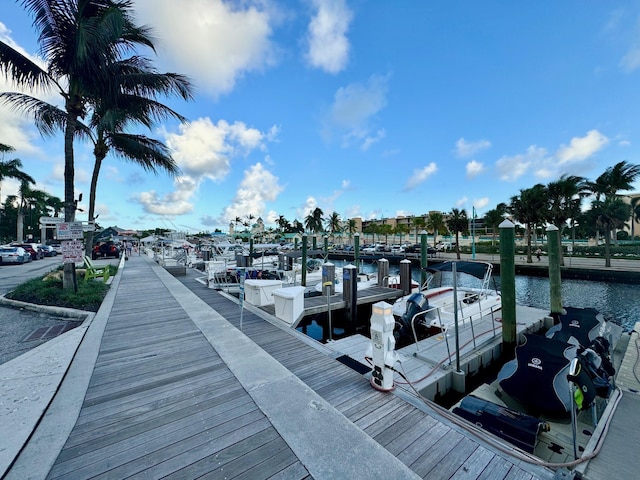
(21, 69)
(149, 153)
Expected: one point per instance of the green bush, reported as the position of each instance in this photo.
(49, 292)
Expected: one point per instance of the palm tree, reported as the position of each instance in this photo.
(607, 215)
(530, 209)
(351, 227)
(435, 223)
(313, 222)
(401, 230)
(80, 41)
(334, 224)
(493, 218)
(418, 224)
(458, 222)
(11, 168)
(115, 113)
(564, 200)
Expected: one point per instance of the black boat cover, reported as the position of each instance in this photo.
(517, 428)
(537, 377)
(477, 269)
(581, 325)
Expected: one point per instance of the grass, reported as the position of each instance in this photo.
(47, 290)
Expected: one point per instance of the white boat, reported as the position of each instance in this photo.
(433, 308)
(364, 281)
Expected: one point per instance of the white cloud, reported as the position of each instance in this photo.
(512, 168)
(420, 175)
(355, 106)
(202, 150)
(309, 205)
(466, 149)
(212, 41)
(462, 202)
(624, 143)
(480, 203)
(631, 60)
(474, 169)
(327, 40)
(581, 148)
(258, 187)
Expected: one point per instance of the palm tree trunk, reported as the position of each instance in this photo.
(92, 203)
(69, 269)
(607, 248)
(528, 235)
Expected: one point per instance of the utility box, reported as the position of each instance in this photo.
(289, 303)
(260, 292)
(383, 345)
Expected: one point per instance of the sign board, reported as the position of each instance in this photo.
(72, 251)
(69, 231)
(51, 220)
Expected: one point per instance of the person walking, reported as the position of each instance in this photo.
(538, 253)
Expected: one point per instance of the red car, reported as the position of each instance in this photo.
(105, 249)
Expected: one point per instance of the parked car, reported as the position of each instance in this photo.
(13, 254)
(444, 246)
(105, 249)
(32, 249)
(48, 250)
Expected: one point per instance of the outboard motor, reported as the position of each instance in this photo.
(416, 303)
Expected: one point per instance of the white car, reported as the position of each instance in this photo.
(10, 254)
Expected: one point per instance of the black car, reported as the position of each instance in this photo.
(105, 249)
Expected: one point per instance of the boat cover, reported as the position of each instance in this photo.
(537, 377)
(477, 269)
(517, 428)
(579, 326)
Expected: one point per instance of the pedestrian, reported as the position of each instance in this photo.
(538, 253)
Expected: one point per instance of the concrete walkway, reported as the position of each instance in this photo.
(309, 425)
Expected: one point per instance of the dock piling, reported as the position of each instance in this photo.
(555, 282)
(508, 288)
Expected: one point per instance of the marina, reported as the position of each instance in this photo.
(143, 396)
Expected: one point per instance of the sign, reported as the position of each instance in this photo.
(70, 230)
(72, 251)
(51, 220)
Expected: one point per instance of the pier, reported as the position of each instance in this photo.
(172, 380)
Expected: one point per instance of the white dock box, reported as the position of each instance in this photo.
(289, 303)
(260, 292)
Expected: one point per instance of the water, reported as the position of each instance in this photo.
(618, 302)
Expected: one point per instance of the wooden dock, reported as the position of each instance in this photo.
(177, 390)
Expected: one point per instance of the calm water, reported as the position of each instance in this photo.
(616, 301)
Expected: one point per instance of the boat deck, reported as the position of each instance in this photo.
(431, 363)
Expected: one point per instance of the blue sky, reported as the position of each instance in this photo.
(368, 108)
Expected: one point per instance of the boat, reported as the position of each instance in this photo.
(550, 398)
(432, 309)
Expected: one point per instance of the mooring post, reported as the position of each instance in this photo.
(356, 250)
(555, 282)
(383, 272)
(423, 257)
(326, 248)
(350, 293)
(250, 252)
(314, 242)
(508, 288)
(304, 261)
(405, 276)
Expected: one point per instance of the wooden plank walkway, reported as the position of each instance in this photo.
(162, 404)
(432, 448)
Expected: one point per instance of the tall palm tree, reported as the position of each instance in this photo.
(80, 41)
(614, 179)
(435, 223)
(530, 209)
(564, 201)
(110, 121)
(419, 224)
(401, 230)
(493, 218)
(351, 228)
(12, 169)
(458, 222)
(334, 224)
(607, 215)
(313, 222)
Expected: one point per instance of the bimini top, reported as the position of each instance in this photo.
(477, 269)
